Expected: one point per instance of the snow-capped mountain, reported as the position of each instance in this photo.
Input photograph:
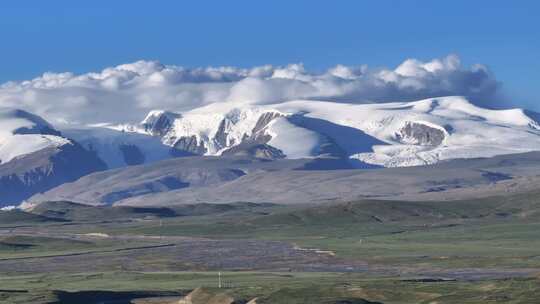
(23, 133)
(35, 157)
(382, 134)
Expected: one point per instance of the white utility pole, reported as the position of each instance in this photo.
(219, 279)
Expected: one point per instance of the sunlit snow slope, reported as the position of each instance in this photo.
(385, 134)
(22, 133)
(116, 148)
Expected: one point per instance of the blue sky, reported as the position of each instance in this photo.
(39, 36)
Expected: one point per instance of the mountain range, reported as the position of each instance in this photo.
(247, 139)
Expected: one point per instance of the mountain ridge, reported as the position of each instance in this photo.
(382, 134)
(320, 135)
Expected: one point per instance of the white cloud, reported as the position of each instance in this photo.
(125, 93)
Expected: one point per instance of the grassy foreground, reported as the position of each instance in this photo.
(276, 287)
(475, 251)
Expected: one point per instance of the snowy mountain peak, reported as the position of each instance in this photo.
(381, 134)
(159, 122)
(16, 121)
(460, 105)
(384, 134)
(212, 132)
(23, 133)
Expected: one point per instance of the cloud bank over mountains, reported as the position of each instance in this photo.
(127, 92)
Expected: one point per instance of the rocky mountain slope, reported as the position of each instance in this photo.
(113, 186)
(45, 169)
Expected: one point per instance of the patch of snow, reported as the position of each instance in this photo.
(294, 141)
(19, 145)
(9, 208)
(107, 143)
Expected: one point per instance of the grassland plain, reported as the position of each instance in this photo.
(474, 251)
(274, 287)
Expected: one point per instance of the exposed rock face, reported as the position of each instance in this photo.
(420, 134)
(222, 139)
(255, 150)
(158, 123)
(185, 146)
(255, 140)
(259, 134)
(264, 120)
(43, 170)
(255, 145)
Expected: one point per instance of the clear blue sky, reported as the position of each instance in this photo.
(39, 36)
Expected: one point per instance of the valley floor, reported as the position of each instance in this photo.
(475, 251)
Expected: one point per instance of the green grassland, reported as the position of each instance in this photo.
(277, 287)
(501, 231)
(498, 233)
